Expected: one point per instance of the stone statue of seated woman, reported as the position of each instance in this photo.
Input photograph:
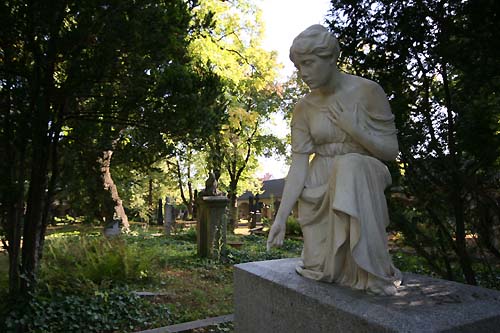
(346, 124)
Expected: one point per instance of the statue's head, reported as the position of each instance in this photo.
(315, 40)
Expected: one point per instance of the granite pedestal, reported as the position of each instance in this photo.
(210, 226)
(271, 297)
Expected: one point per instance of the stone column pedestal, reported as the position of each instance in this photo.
(169, 217)
(211, 225)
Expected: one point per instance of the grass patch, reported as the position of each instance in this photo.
(81, 267)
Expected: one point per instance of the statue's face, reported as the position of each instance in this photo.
(313, 70)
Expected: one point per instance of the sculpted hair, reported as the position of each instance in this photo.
(315, 40)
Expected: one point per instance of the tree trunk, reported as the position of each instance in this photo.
(458, 206)
(190, 186)
(185, 201)
(191, 200)
(109, 185)
(233, 211)
(13, 166)
(13, 199)
(14, 246)
(33, 220)
(44, 143)
(42, 117)
(463, 255)
(14, 218)
(446, 260)
(150, 201)
(54, 174)
(150, 193)
(35, 204)
(159, 216)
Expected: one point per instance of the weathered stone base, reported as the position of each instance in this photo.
(271, 297)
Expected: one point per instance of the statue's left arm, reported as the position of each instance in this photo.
(370, 123)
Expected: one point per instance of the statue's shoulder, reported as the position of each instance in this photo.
(303, 104)
(306, 99)
(301, 110)
(364, 85)
(371, 94)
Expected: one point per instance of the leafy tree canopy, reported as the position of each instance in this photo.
(79, 78)
(439, 64)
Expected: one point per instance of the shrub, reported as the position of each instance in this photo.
(189, 235)
(254, 249)
(293, 227)
(85, 263)
(266, 222)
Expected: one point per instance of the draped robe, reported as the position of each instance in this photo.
(342, 207)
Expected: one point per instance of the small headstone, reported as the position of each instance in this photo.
(113, 229)
(256, 212)
(258, 218)
(169, 216)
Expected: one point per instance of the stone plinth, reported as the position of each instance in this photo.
(169, 217)
(271, 297)
(210, 226)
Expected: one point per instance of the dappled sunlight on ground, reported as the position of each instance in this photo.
(242, 231)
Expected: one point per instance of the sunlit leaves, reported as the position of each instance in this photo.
(233, 49)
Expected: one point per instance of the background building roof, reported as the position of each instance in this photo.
(271, 188)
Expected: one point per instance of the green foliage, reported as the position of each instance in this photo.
(266, 222)
(104, 311)
(293, 227)
(411, 262)
(254, 249)
(407, 262)
(188, 169)
(80, 78)
(188, 235)
(439, 64)
(249, 72)
(88, 262)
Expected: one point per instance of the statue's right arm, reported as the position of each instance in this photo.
(294, 185)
